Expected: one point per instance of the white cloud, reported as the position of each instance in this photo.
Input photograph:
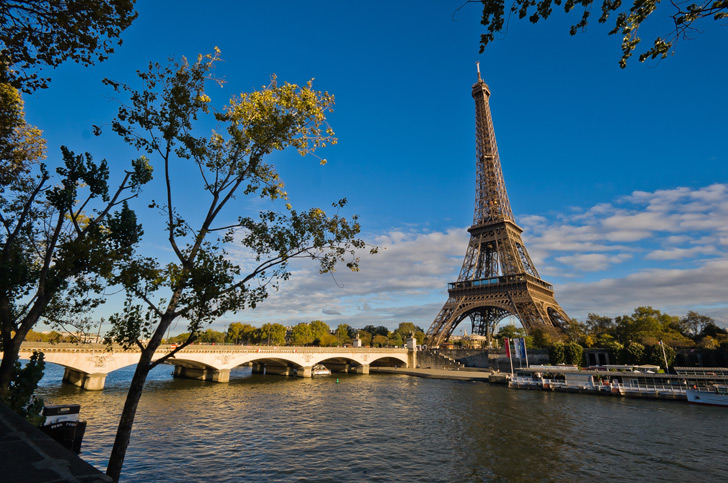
(679, 253)
(590, 262)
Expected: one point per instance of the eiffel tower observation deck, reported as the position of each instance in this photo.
(497, 278)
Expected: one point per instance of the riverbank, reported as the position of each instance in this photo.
(30, 455)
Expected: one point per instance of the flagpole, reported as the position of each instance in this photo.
(508, 352)
(525, 352)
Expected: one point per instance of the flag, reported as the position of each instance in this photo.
(522, 348)
(507, 343)
(517, 348)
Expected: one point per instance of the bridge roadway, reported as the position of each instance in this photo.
(86, 365)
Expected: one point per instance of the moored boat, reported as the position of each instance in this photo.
(320, 370)
(715, 395)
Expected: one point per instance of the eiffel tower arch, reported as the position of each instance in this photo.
(497, 278)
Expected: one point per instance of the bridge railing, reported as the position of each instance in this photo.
(69, 347)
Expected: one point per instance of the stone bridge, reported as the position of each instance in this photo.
(86, 365)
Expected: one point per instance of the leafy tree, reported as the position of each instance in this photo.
(395, 339)
(420, 336)
(35, 34)
(25, 380)
(711, 329)
(627, 22)
(319, 329)
(693, 323)
(575, 331)
(405, 329)
(510, 331)
(202, 283)
(573, 353)
(654, 355)
(210, 336)
(57, 242)
(21, 145)
(342, 333)
(380, 341)
(272, 334)
(540, 338)
(381, 330)
(648, 326)
(301, 334)
(235, 332)
(241, 333)
(597, 325)
(327, 340)
(557, 353)
(632, 353)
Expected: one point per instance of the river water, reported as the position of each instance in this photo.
(385, 427)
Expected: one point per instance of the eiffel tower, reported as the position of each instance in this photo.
(497, 278)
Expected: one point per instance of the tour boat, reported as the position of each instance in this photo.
(319, 370)
(716, 395)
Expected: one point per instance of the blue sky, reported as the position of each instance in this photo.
(619, 177)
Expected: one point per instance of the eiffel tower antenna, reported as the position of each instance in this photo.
(497, 278)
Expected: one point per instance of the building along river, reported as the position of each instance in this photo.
(384, 427)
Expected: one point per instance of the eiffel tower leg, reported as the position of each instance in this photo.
(444, 323)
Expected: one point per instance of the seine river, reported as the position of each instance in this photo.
(392, 428)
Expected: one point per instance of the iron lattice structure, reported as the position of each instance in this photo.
(497, 278)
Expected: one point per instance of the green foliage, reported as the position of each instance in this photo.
(380, 341)
(654, 355)
(573, 353)
(210, 336)
(539, 339)
(301, 334)
(61, 239)
(395, 339)
(405, 330)
(272, 334)
(21, 397)
(327, 340)
(319, 329)
(381, 330)
(627, 22)
(633, 353)
(343, 332)
(37, 34)
(21, 145)
(557, 353)
(693, 324)
(239, 333)
(510, 331)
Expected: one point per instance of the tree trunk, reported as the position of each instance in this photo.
(7, 366)
(126, 422)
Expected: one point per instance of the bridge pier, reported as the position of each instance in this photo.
(279, 370)
(204, 374)
(90, 382)
(304, 371)
(362, 369)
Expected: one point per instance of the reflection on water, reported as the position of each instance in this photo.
(391, 427)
